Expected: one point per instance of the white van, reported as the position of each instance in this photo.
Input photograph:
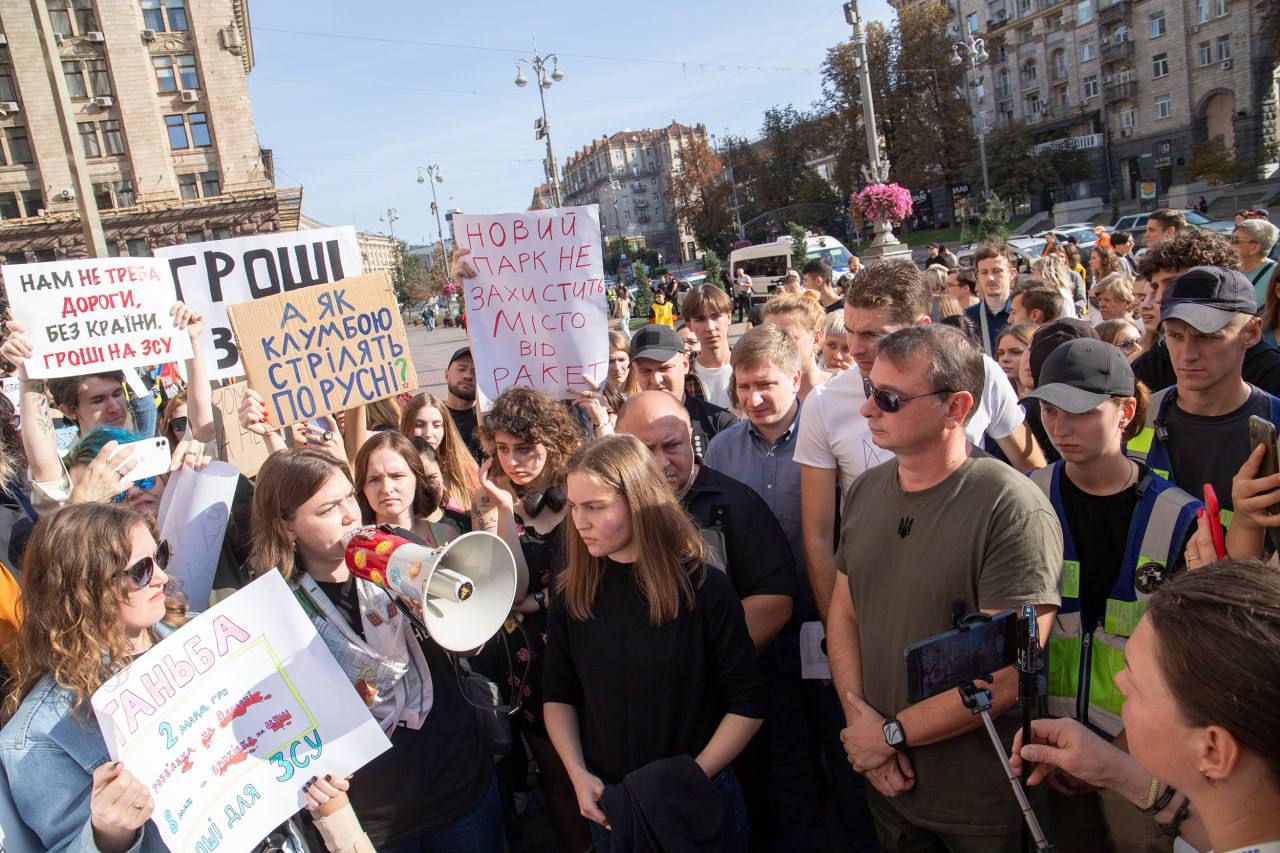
(768, 263)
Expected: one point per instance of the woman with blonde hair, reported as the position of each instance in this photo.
(805, 322)
(1114, 295)
(619, 361)
(635, 606)
(1052, 271)
(427, 416)
(1124, 335)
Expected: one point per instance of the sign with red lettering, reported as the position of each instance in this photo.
(95, 314)
(537, 313)
(227, 718)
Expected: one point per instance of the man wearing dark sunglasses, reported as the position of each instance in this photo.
(939, 523)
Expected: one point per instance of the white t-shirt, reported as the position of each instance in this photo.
(715, 382)
(834, 434)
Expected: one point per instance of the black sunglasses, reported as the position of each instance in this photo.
(890, 401)
(178, 425)
(141, 572)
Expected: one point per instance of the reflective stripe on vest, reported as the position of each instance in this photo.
(1161, 522)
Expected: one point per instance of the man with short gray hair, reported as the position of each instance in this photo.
(938, 783)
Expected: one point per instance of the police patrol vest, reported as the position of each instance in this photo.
(1150, 446)
(1084, 659)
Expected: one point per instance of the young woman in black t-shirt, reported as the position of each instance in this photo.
(648, 653)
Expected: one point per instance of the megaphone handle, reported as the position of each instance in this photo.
(419, 628)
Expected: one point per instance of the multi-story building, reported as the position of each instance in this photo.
(629, 175)
(1137, 84)
(543, 197)
(154, 95)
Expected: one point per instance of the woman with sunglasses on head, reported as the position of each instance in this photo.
(434, 789)
(428, 417)
(1124, 335)
(649, 659)
(530, 437)
(1124, 531)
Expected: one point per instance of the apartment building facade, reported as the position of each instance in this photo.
(629, 175)
(155, 95)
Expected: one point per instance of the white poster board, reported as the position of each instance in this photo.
(537, 313)
(95, 314)
(211, 275)
(193, 520)
(226, 719)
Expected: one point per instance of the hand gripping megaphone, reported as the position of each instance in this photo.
(466, 587)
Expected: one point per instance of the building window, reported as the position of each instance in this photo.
(1084, 11)
(1219, 8)
(165, 15)
(86, 20)
(1205, 53)
(195, 236)
(19, 145)
(1158, 27)
(99, 78)
(1160, 65)
(1224, 48)
(1091, 86)
(102, 196)
(44, 256)
(9, 206)
(222, 233)
(89, 137)
(7, 90)
(1064, 97)
(137, 248)
(1128, 118)
(1086, 50)
(210, 184)
(177, 129)
(15, 257)
(33, 202)
(74, 76)
(176, 72)
(1202, 11)
(59, 17)
(189, 186)
(1024, 7)
(112, 138)
(1163, 107)
(123, 192)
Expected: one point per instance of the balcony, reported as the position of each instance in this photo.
(1113, 51)
(1117, 10)
(1079, 143)
(1120, 90)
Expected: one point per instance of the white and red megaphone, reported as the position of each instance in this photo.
(466, 587)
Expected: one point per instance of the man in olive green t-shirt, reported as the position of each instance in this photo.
(939, 523)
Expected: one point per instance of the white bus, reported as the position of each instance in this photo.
(767, 263)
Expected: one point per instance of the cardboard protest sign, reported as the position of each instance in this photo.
(95, 314)
(193, 520)
(211, 275)
(226, 719)
(236, 445)
(325, 349)
(537, 314)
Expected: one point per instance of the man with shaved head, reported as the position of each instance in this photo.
(661, 363)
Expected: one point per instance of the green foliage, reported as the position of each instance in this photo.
(799, 246)
(711, 263)
(993, 222)
(1215, 163)
(407, 268)
(644, 293)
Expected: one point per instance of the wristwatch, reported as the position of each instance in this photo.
(894, 735)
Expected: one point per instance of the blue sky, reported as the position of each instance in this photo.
(353, 97)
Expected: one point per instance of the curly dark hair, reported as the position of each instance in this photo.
(536, 418)
(1190, 248)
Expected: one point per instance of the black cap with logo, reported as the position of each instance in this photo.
(1207, 298)
(1081, 375)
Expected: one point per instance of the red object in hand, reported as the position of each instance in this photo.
(1215, 519)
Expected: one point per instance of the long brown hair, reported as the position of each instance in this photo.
(71, 600)
(286, 481)
(424, 503)
(458, 467)
(672, 548)
(1218, 647)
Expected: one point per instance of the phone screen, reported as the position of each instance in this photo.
(961, 655)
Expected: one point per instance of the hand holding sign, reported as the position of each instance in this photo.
(119, 805)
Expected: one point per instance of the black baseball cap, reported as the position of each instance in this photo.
(1208, 297)
(656, 341)
(1081, 375)
(464, 352)
(1049, 337)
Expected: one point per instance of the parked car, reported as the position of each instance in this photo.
(1025, 250)
(1136, 225)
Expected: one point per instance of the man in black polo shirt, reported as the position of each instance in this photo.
(661, 364)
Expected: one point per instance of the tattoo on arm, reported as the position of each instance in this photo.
(43, 421)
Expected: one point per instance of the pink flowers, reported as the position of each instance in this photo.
(891, 202)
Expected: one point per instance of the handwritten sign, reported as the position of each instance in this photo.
(236, 445)
(211, 275)
(226, 719)
(193, 520)
(536, 313)
(95, 315)
(325, 349)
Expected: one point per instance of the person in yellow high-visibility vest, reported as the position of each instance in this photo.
(660, 310)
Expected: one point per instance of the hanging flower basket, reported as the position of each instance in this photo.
(891, 202)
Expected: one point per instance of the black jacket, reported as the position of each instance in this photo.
(667, 806)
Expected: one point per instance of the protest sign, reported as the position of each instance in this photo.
(226, 719)
(236, 445)
(537, 314)
(94, 315)
(324, 349)
(12, 388)
(193, 520)
(210, 276)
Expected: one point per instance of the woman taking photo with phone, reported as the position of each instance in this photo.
(649, 656)
(1124, 531)
(434, 789)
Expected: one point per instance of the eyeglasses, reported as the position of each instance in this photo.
(146, 484)
(1236, 241)
(141, 572)
(513, 424)
(889, 401)
(1129, 345)
(178, 425)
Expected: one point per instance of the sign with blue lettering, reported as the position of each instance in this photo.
(212, 275)
(324, 349)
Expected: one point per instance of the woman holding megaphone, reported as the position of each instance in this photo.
(435, 787)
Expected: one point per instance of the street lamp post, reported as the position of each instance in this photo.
(976, 52)
(390, 218)
(431, 174)
(538, 65)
